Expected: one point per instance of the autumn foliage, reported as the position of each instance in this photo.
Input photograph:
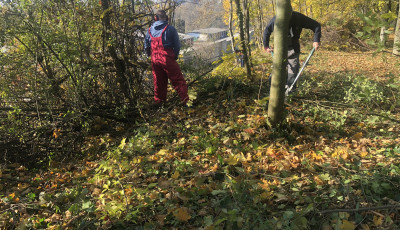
(80, 149)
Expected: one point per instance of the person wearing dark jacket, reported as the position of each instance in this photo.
(162, 44)
(297, 22)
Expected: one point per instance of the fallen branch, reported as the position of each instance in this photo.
(361, 209)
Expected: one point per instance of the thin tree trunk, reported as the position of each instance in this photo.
(279, 72)
(242, 38)
(273, 5)
(119, 64)
(396, 46)
(320, 9)
(246, 9)
(300, 6)
(305, 6)
(383, 35)
(230, 25)
(261, 24)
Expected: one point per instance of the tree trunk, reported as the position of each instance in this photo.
(396, 46)
(242, 38)
(383, 35)
(246, 9)
(273, 5)
(230, 25)
(279, 72)
(306, 7)
(299, 6)
(260, 24)
(119, 64)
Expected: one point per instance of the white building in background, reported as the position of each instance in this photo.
(186, 39)
(209, 34)
(209, 44)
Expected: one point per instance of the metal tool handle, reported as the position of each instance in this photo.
(301, 70)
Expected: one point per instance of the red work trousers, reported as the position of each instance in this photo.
(165, 67)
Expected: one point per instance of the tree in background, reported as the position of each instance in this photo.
(256, 14)
(279, 72)
(200, 15)
(244, 43)
(396, 46)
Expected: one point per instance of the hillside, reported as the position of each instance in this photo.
(334, 163)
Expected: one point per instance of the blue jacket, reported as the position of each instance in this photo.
(297, 22)
(170, 39)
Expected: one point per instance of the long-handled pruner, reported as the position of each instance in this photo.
(301, 70)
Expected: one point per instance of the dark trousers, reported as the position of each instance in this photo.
(293, 67)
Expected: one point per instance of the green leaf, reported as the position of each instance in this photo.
(287, 215)
(217, 192)
(152, 185)
(86, 205)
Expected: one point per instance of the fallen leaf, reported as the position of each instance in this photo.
(378, 220)
(56, 133)
(357, 136)
(182, 214)
(365, 227)
(232, 160)
(363, 154)
(176, 175)
(162, 152)
(347, 225)
(249, 131)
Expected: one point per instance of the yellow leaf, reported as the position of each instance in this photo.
(162, 152)
(363, 154)
(232, 160)
(176, 175)
(378, 220)
(249, 157)
(182, 214)
(347, 225)
(123, 143)
(136, 160)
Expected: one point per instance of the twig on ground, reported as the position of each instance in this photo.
(71, 221)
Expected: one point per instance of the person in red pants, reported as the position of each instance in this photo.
(162, 44)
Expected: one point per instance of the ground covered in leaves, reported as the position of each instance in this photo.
(333, 164)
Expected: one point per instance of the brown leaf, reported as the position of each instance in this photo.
(249, 131)
(182, 214)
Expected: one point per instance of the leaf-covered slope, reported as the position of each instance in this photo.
(333, 164)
